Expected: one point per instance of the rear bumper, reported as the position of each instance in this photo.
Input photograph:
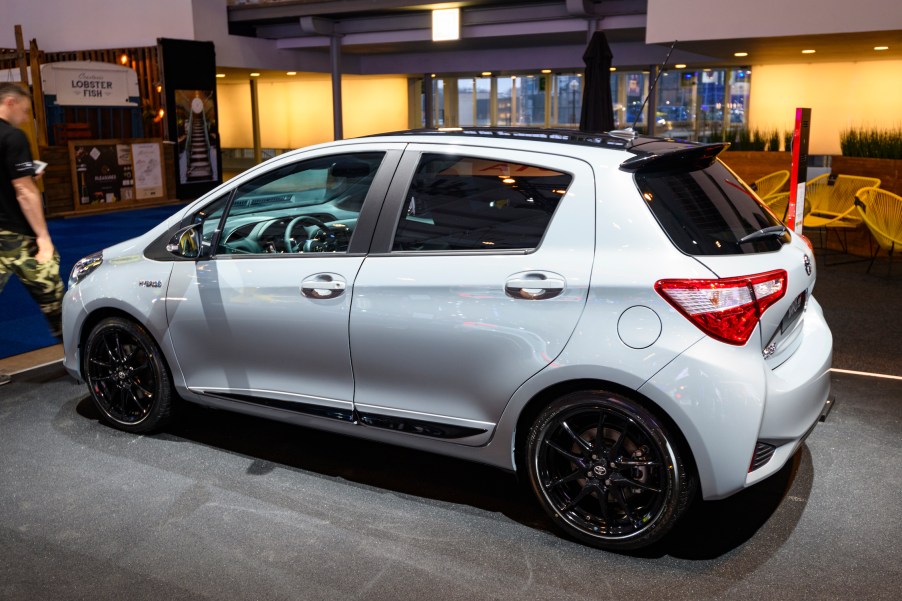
(798, 393)
(725, 399)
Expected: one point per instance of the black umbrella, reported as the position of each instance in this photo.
(598, 107)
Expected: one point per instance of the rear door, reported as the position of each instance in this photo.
(477, 277)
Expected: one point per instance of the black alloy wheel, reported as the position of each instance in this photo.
(607, 472)
(126, 375)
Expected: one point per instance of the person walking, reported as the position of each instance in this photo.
(25, 245)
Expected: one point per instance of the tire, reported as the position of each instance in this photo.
(127, 376)
(621, 491)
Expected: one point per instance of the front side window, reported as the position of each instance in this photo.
(468, 203)
(305, 207)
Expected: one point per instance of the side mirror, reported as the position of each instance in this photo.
(188, 243)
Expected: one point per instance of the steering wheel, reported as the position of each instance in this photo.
(291, 246)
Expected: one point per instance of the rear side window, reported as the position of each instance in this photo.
(708, 212)
(470, 203)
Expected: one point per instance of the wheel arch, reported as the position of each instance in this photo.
(99, 315)
(539, 401)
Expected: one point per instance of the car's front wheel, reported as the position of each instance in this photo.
(128, 379)
(606, 470)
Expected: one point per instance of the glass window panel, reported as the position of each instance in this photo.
(675, 114)
(530, 101)
(468, 203)
(466, 102)
(308, 206)
(568, 96)
(483, 107)
(505, 97)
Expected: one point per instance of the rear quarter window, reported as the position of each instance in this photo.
(708, 212)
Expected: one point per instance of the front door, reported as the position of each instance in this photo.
(266, 319)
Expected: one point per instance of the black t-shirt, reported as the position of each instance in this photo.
(15, 162)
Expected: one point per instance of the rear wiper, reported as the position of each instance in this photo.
(774, 230)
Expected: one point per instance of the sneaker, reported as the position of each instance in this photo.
(4, 379)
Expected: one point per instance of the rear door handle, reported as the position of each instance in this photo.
(535, 285)
(323, 285)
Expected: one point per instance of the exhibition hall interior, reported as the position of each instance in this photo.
(185, 437)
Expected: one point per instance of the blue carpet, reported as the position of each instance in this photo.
(22, 326)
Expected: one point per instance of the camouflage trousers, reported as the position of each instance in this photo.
(42, 280)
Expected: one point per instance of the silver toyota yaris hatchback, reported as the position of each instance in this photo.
(617, 318)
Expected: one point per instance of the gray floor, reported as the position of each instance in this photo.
(228, 507)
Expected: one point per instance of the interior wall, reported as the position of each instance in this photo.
(727, 19)
(64, 25)
(840, 95)
(298, 113)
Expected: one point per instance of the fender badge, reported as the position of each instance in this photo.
(807, 263)
(154, 283)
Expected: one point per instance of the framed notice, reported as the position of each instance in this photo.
(107, 172)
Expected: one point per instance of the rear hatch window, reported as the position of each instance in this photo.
(710, 212)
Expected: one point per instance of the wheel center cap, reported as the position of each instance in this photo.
(600, 470)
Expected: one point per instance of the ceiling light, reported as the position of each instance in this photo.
(740, 54)
(220, 75)
(292, 73)
(486, 73)
(123, 59)
(680, 66)
(446, 24)
(255, 75)
(881, 47)
(612, 69)
(808, 51)
(546, 71)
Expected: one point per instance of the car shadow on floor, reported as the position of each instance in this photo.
(708, 530)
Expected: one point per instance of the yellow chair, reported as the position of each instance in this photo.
(881, 212)
(779, 204)
(770, 184)
(833, 203)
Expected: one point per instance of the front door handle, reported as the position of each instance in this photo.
(535, 285)
(323, 285)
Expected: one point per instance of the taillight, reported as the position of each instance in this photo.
(727, 309)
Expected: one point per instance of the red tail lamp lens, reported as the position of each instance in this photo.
(727, 309)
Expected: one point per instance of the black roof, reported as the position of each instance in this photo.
(653, 154)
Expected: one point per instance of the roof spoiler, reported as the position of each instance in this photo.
(683, 158)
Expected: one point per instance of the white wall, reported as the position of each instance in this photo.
(211, 24)
(728, 19)
(64, 25)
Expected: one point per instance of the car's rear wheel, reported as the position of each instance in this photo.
(128, 379)
(606, 470)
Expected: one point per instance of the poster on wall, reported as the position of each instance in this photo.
(113, 171)
(197, 136)
(188, 68)
(103, 172)
(148, 170)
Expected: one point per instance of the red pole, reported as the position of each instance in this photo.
(795, 214)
